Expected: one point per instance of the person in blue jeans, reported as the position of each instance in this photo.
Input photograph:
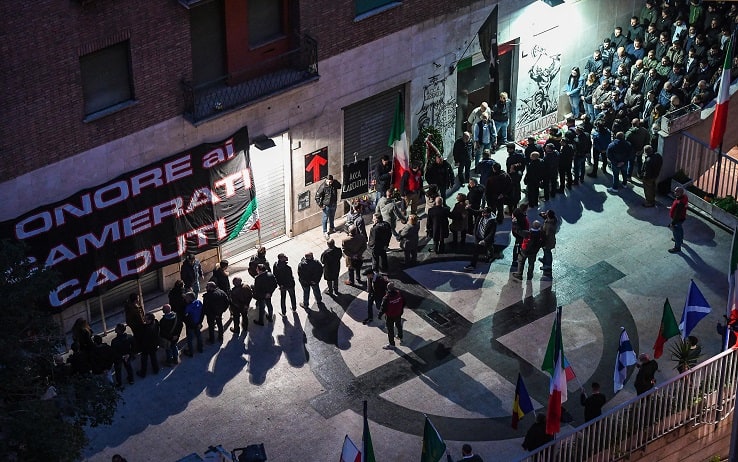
(678, 213)
(501, 117)
(618, 153)
(327, 199)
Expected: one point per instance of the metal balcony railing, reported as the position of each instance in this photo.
(703, 395)
(233, 91)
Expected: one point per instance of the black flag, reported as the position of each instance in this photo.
(488, 43)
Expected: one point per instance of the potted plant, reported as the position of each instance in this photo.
(417, 149)
(685, 353)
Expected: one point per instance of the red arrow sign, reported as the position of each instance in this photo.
(314, 165)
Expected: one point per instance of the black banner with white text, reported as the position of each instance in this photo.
(355, 178)
(142, 220)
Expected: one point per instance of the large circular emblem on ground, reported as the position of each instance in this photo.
(467, 336)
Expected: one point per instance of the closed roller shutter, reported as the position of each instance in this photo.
(268, 171)
(366, 127)
(113, 299)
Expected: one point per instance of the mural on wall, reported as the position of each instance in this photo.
(537, 89)
(438, 108)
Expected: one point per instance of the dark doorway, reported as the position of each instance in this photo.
(473, 84)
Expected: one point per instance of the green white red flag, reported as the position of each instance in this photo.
(668, 329)
(720, 117)
(398, 143)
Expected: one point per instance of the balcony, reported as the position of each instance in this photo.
(234, 91)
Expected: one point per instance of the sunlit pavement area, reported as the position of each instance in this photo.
(298, 384)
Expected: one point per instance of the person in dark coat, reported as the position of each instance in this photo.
(331, 260)
(309, 273)
(102, 356)
(529, 247)
(520, 226)
(592, 403)
(122, 346)
(550, 171)
(515, 164)
(241, 296)
(463, 152)
(134, 315)
(566, 160)
(259, 259)
(149, 344)
(646, 376)
(191, 273)
(536, 435)
(409, 240)
(484, 231)
(533, 178)
(170, 328)
(383, 177)
(193, 322)
(379, 239)
(466, 455)
(220, 277)
(438, 217)
(440, 173)
(215, 302)
(649, 175)
(497, 190)
(264, 286)
(176, 298)
(285, 282)
(353, 248)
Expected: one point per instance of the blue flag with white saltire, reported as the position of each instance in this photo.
(626, 357)
(695, 308)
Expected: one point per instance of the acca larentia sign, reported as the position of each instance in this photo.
(142, 220)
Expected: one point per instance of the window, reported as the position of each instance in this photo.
(106, 79)
(365, 6)
(265, 22)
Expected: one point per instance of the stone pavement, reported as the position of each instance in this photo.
(297, 385)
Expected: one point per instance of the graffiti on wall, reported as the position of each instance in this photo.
(438, 109)
(538, 90)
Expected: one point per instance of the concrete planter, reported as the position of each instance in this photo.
(716, 213)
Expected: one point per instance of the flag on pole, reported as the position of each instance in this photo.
(522, 403)
(398, 142)
(626, 357)
(667, 330)
(349, 452)
(557, 389)
(695, 308)
(487, 36)
(720, 117)
(548, 358)
(732, 309)
(367, 448)
(433, 444)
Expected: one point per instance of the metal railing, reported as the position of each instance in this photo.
(711, 171)
(703, 395)
(238, 89)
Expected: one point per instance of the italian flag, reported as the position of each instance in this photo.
(398, 143)
(669, 328)
(557, 389)
(720, 117)
(249, 220)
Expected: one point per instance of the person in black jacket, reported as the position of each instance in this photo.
(383, 177)
(536, 435)
(220, 277)
(285, 282)
(497, 191)
(440, 173)
(149, 344)
(309, 273)
(327, 199)
(214, 303)
(566, 160)
(466, 455)
(550, 170)
(649, 174)
(592, 403)
(102, 356)
(484, 231)
(331, 260)
(515, 164)
(438, 216)
(259, 259)
(533, 178)
(463, 151)
(191, 273)
(379, 239)
(241, 296)
(529, 247)
(122, 346)
(170, 328)
(176, 298)
(264, 286)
